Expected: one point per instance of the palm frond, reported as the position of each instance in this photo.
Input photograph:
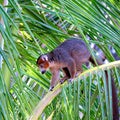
(34, 27)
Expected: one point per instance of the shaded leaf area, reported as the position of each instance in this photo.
(35, 27)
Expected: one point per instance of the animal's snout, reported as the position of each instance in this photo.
(43, 71)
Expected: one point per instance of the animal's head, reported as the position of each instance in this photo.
(43, 63)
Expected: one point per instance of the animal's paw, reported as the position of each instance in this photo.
(51, 88)
(78, 73)
(61, 81)
(70, 80)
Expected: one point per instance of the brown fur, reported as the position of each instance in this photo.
(42, 62)
(69, 56)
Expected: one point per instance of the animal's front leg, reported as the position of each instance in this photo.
(55, 78)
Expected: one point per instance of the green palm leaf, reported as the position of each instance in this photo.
(30, 28)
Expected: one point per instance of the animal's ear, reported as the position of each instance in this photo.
(44, 57)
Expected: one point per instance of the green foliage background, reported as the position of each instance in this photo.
(32, 27)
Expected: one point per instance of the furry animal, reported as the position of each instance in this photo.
(69, 56)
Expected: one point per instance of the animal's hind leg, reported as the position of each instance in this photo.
(72, 69)
(78, 73)
(66, 75)
(79, 70)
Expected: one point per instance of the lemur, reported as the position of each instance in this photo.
(69, 57)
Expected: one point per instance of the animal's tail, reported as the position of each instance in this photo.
(97, 60)
(100, 61)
